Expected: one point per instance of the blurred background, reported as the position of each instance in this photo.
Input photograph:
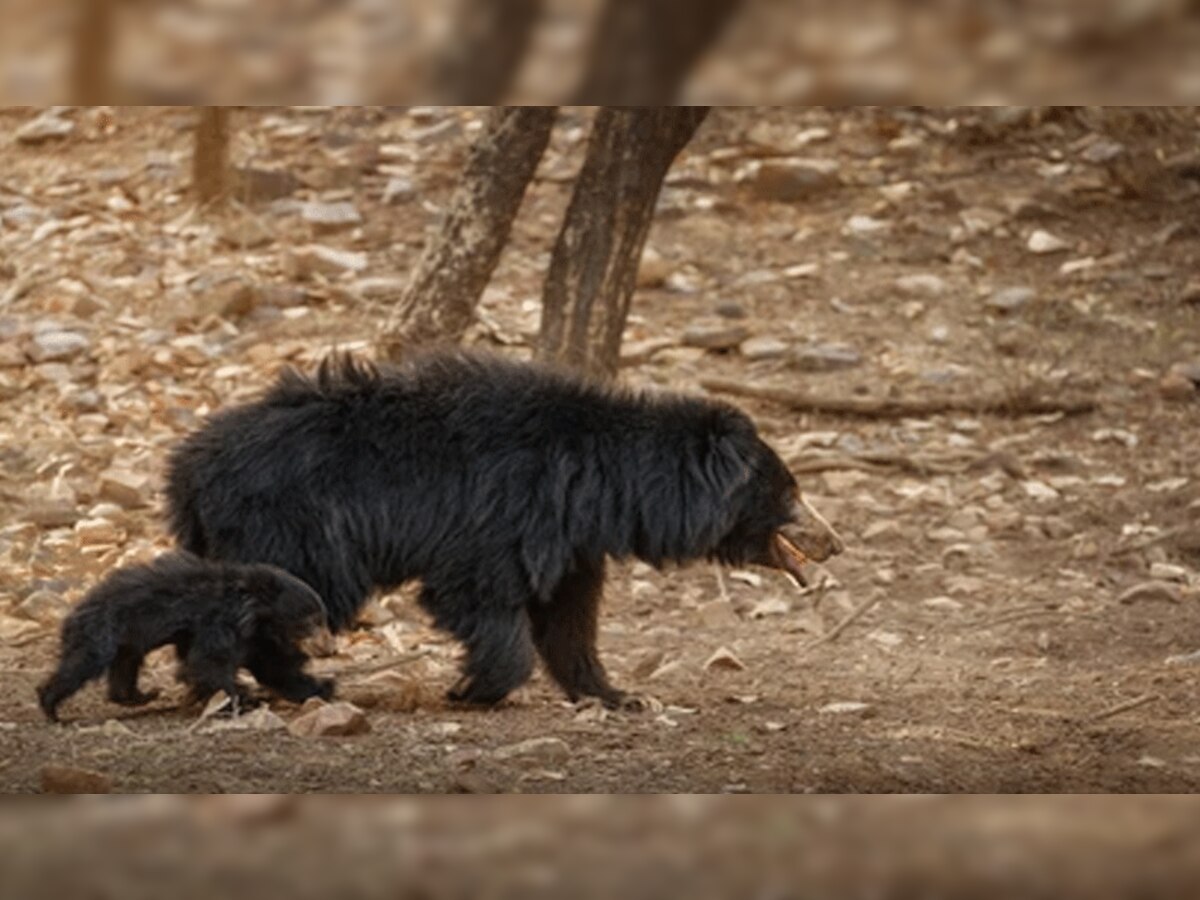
(599, 51)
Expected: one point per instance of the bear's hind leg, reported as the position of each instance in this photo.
(565, 629)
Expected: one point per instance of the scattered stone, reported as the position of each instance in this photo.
(845, 707)
(45, 607)
(95, 532)
(1184, 659)
(1042, 242)
(1071, 266)
(864, 225)
(246, 231)
(472, 782)
(15, 631)
(788, 181)
(53, 514)
(48, 346)
(1115, 436)
(46, 127)
(825, 357)
(921, 285)
(648, 662)
(381, 288)
(653, 270)
(882, 530)
(635, 353)
(316, 259)
(772, 606)
(714, 336)
(763, 347)
(723, 658)
(1102, 150)
(942, 604)
(1008, 300)
(1040, 491)
(398, 190)
(729, 309)
(1161, 571)
(329, 217)
(71, 780)
(540, 750)
(1176, 386)
(339, 719)
(129, 490)
(1190, 371)
(1190, 295)
(1150, 590)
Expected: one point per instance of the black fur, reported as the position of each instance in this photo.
(219, 617)
(503, 486)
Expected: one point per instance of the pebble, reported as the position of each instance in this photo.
(535, 750)
(1190, 295)
(94, 532)
(1176, 386)
(764, 347)
(48, 346)
(129, 490)
(844, 707)
(45, 127)
(825, 357)
(944, 604)
(1042, 242)
(714, 336)
(653, 270)
(863, 225)
(398, 190)
(921, 285)
(72, 780)
(1150, 590)
(716, 614)
(1009, 300)
(788, 181)
(330, 217)
(729, 309)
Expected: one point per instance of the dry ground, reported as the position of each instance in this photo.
(996, 655)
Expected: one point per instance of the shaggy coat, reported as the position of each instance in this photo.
(502, 486)
(219, 617)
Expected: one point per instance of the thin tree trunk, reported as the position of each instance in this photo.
(438, 303)
(489, 43)
(644, 49)
(91, 57)
(210, 159)
(595, 260)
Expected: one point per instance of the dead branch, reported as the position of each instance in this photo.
(855, 614)
(1017, 404)
(1126, 706)
(373, 668)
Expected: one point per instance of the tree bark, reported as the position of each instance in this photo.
(91, 56)
(595, 260)
(210, 159)
(438, 303)
(643, 49)
(488, 44)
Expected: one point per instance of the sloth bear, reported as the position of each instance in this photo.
(502, 485)
(219, 616)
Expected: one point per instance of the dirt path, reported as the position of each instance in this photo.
(997, 656)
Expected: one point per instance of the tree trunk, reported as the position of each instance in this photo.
(595, 260)
(91, 55)
(488, 45)
(210, 159)
(438, 303)
(644, 49)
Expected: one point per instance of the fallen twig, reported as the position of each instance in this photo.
(854, 615)
(1017, 404)
(1125, 706)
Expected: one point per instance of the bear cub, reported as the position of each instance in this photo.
(220, 617)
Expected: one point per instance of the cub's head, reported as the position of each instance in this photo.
(283, 604)
(771, 524)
